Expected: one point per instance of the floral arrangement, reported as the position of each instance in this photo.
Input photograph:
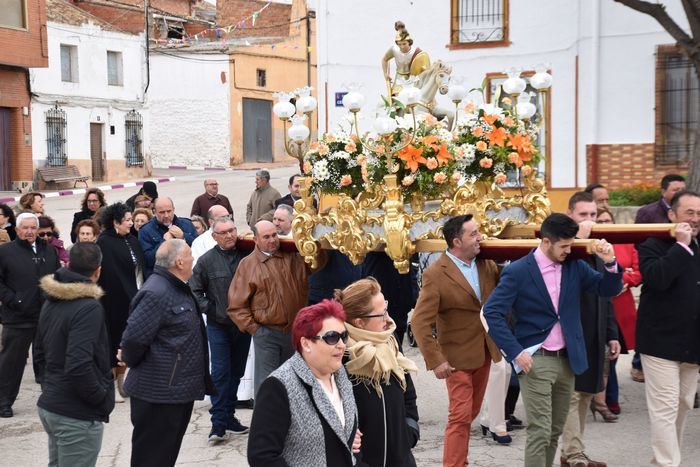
(487, 144)
(490, 142)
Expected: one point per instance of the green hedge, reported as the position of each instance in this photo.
(636, 195)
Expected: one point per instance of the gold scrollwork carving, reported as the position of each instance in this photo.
(397, 224)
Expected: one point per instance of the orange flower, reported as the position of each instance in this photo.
(432, 163)
(526, 170)
(490, 119)
(477, 131)
(361, 159)
(520, 142)
(345, 180)
(497, 137)
(439, 177)
(443, 155)
(431, 141)
(307, 167)
(481, 146)
(350, 147)
(330, 137)
(508, 121)
(500, 178)
(313, 146)
(486, 162)
(354, 137)
(323, 149)
(412, 156)
(470, 107)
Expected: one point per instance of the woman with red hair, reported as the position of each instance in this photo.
(305, 413)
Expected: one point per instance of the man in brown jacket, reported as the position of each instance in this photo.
(269, 288)
(262, 201)
(450, 300)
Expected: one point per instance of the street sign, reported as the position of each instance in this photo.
(339, 98)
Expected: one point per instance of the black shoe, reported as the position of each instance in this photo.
(515, 422)
(6, 412)
(236, 427)
(484, 430)
(217, 435)
(696, 404)
(247, 404)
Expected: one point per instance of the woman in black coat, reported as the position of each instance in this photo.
(93, 200)
(383, 389)
(121, 277)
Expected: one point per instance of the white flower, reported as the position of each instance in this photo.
(320, 170)
(339, 155)
(499, 167)
(405, 123)
(491, 109)
(445, 134)
(468, 153)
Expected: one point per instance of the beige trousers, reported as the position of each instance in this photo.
(572, 448)
(670, 389)
(493, 409)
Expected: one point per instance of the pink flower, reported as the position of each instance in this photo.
(470, 107)
(500, 178)
(439, 177)
(485, 162)
(456, 177)
(431, 163)
(350, 147)
(508, 121)
(307, 167)
(526, 170)
(330, 137)
(361, 159)
(345, 180)
(408, 180)
(513, 157)
(480, 145)
(323, 149)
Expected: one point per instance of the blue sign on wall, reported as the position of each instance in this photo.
(339, 98)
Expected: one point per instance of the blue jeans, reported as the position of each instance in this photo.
(612, 390)
(229, 353)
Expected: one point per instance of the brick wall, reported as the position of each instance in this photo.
(15, 95)
(26, 48)
(618, 165)
(273, 22)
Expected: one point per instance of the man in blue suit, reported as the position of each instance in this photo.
(543, 290)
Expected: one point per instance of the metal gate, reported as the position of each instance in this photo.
(96, 151)
(5, 154)
(257, 130)
(56, 137)
(133, 125)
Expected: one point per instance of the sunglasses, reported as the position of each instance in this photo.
(45, 234)
(332, 337)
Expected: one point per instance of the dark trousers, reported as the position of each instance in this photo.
(13, 358)
(229, 353)
(612, 390)
(158, 432)
(272, 349)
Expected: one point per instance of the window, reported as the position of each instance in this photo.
(479, 23)
(494, 82)
(14, 14)
(676, 106)
(114, 69)
(56, 137)
(133, 125)
(69, 63)
(261, 77)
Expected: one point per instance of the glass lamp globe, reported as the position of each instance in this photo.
(524, 107)
(514, 85)
(298, 132)
(541, 80)
(409, 95)
(457, 91)
(353, 101)
(306, 102)
(283, 108)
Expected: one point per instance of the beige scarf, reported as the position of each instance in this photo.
(374, 356)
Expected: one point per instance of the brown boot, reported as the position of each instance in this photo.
(637, 375)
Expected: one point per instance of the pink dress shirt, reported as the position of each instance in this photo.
(551, 274)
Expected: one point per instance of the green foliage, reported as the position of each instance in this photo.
(635, 195)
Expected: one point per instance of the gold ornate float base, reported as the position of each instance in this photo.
(382, 219)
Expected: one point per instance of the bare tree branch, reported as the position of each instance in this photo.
(658, 12)
(692, 12)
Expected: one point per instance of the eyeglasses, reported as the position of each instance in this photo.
(93, 201)
(45, 234)
(226, 232)
(332, 337)
(382, 315)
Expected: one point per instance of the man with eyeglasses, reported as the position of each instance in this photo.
(229, 346)
(268, 289)
(454, 290)
(209, 198)
(206, 242)
(22, 263)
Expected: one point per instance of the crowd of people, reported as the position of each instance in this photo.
(162, 310)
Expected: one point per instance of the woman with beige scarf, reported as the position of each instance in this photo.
(383, 389)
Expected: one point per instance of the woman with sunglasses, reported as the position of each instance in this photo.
(48, 232)
(305, 413)
(384, 392)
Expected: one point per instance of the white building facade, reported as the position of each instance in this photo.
(605, 114)
(88, 105)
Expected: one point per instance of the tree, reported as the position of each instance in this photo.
(690, 45)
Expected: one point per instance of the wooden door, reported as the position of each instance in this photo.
(257, 130)
(96, 151)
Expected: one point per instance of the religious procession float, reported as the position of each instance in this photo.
(392, 187)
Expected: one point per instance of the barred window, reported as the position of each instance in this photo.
(56, 137)
(676, 106)
(133, 126)
(479, 23)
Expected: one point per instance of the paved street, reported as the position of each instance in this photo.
(23, 441)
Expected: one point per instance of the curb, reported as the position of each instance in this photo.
(81, 191)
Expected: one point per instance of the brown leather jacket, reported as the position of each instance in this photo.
(268, 291)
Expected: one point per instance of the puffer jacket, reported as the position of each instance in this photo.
(20, 271)
(211, 280)
(73, 350)
(268, 290)
(165, 343)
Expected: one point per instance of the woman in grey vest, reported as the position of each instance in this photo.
(305, 413)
